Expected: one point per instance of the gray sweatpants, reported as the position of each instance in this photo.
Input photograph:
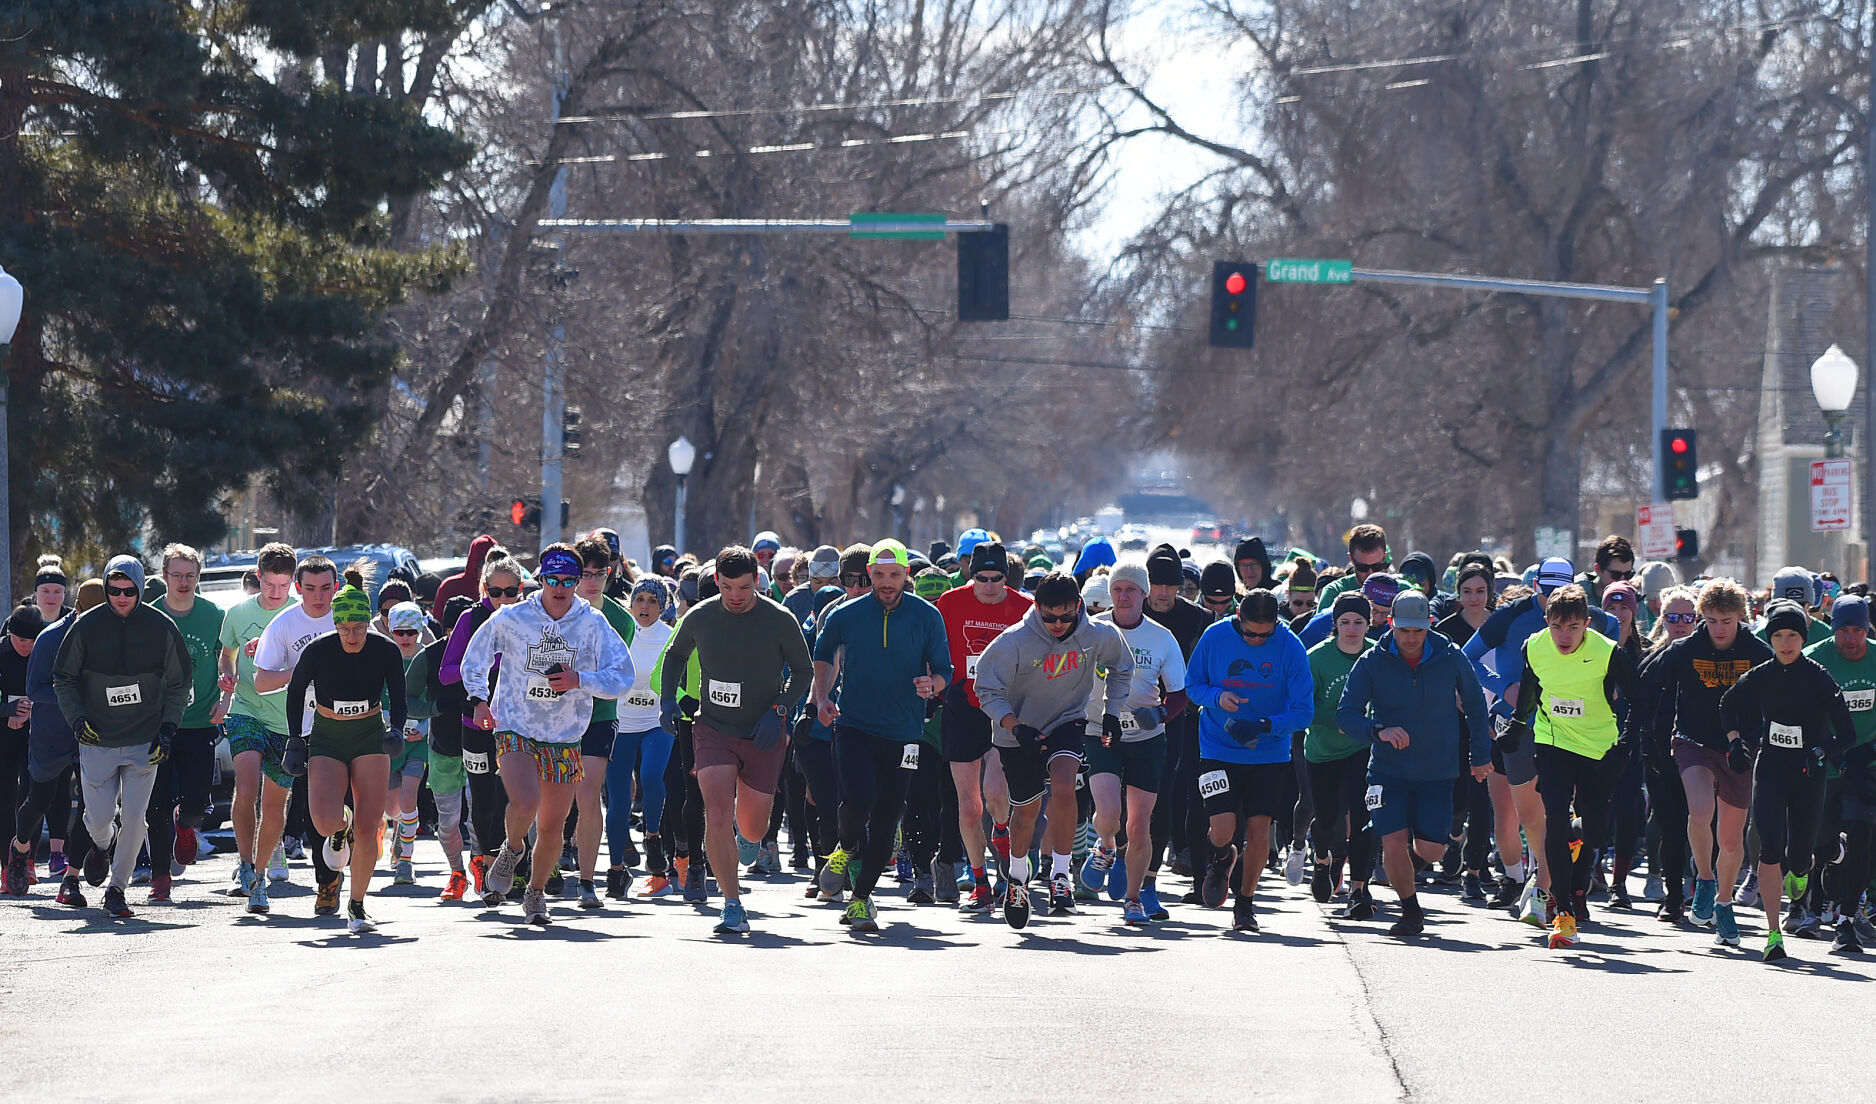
(115, 777)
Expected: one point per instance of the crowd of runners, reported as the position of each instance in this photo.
(993, 731)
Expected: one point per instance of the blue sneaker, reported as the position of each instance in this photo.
(747, 851)
(1705, 890)
(1149, 900)
(734, 920)
(1097, 871)
(1133, 914)
(1728, 926)
(1117, 879)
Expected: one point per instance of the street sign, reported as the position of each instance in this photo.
(1655, 526)
(1295, 270)
(1830, 495)
(899, 223)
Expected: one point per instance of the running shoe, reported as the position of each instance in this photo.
(1218, 876)
(187, 844)
(1094, 872)
(1524, 909)
(17, 862)
(243, 879)
(902, 868)
(1149, 900)
(1000, 843)
(405, 875)
(680, 869)
(979, 900)
(656, 886)
(861, 916)
(1133, 913)
(501, 877)
(1812, 926)
(292, 848)
(1726, 926)
(159, 889)
(257, 897)
(1322, 881)
(734, 920)
(1016, 905)
(356, 921)
(1293, 867)
(1117, 879)
(1654, 888)
(1619, 898)
(618, 883)
(1579, 906)
(1412, 920)
(1563, 932)
(1244, 916)
(1864, 930)
(1706, 890)
(1472, 888)
(57, 864)
(1846, 941)
(1360, 905)
(1061, 895)
(277, 865)
(747, 852)
(569, 860)
(458, 885)
(327, 901)
(338, 847)
(695, 891)
(478, 870)
(944, 883)
(833, 876)
(115, 905)
(69, 893)
(1795, 913)
(1774, 947)
(1671, 912)
(98, 863)
(1509, 894)
(921, 892)
(770, 861)
(556, 882)
(534, 907)
(1795, 885)
(589, 896)
(1747, 895)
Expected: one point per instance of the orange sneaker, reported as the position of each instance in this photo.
(479, 867)
(682, 863)
(656, 886)
(1563, 933)
(458, 885)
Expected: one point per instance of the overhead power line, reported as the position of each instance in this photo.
(853, 105)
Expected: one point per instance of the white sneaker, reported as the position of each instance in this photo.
(1293, 868)
(1531, 904)
(337, 848)
(277, 866)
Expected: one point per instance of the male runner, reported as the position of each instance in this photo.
(181, 799)
(1850, 794)
(596, 745)
(1178, 815)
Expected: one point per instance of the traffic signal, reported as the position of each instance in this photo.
(1686, 544)
(525, 513)
(984, 275)
(1234, 304)
(566, 515)
(570, 433)
(1681, 464)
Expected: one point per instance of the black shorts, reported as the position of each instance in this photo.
(1027, 771)
(597, 742)
(963, 729)
(1140, 764)
(1249, 789)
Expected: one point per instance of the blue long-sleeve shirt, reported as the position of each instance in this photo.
(1428, 700)
(1273, 679)
(1497, 649)
(51, 738)
(885, 651)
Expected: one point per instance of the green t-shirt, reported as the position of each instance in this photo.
(241, 628)
(1324, 742)
(201, 635)
(1326, 600)
(620, 618)
(1858, 682)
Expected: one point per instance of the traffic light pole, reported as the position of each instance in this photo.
(554, 360)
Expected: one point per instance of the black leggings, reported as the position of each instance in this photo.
(1472, 819)
(488, 799)
(931, 813)
(872, 794)
(1787, 803)
(1340, 828)
(1625, 815)
(1304, 812)
(1564, 779)
(1667, 807)
(816, 759)
(60, 806)
(1169, 812)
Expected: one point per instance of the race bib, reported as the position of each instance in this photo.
(641, 699)
(475, 762)
(1786, 736)
(909, 760)
(728, 695)
(1213, 783)
(352, 708)
(1566, 707)
(1374, 797)
(1128, 722)
(1860, 701)
(970, 667)
(538, 690)
(115, 696)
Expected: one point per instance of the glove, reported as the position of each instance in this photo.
(1110, 730)
(804, 728)
(1738, 758)
(1512, 736)
(1028, 737)
(1149, 716)
(1247, 733)
(767, 734)
(293, 760)
(394, 744)
(85, 733)
(160, 743)
(667, 714)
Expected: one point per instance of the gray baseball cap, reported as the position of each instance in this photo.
(1410, 611)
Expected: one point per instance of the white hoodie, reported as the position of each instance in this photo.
(529, 642)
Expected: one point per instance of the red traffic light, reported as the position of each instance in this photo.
(1234, 283)
(1678, 444)
(518, 512)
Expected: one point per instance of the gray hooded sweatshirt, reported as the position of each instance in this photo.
(1047, 682)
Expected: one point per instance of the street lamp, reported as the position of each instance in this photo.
(683, 454)
(898, 499)
(1833, 384)
(12, 297)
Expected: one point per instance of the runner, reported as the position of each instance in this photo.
(597, 745)
(1473, 819)
(404, 624)
(181, 799)
(256, 727)
(351, 671)
(1367, 554)
(1178, 815)
(447, 781)
(1789, 716)
(1034, 682)
(1338, 767)
(1137, 760)
(50, 589)
(642, 745)
(1850, 792)
(500, 587)
(52, 765)
(122, 679)
(975, 614)
(1419, 700)
(1667, 798)
(1250, 677)
(1686, 728)
(560, 654)
(754, 668)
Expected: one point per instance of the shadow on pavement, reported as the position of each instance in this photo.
(556, 933)
(905, 937)
(1030, 941)
(1267, 936)
(276, 920)
(357, 942)
(105, 925)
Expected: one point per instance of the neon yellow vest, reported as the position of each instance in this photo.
(1574, 714)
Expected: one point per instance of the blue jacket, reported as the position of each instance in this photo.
(1274, 680)
(51, 745)
(1497, 649)
(1383, 692)
(885, 651)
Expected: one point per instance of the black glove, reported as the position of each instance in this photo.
(1028, 737)
(804, 728)
(688, 706)
(161, 742)
(1110, 730)
(667, 713)
(87, 735)
(1149, 716)
(767, 734)
(1738, 757)
(394, 743)
(1247, 733)
(1513, 735)
(293, 760)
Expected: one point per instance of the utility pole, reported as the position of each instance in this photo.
(1868, 443)
(554, 364)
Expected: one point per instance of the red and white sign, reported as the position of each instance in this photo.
(1830, 495)
(1655, 526)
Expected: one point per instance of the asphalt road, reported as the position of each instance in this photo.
(197, 1000)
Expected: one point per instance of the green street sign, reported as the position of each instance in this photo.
(900, 223)
(1296, 270)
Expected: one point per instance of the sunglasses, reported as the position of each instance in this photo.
(986, 579)
(1059, 618)
(1220, 599)
(405, 632)
(1618, 575)
(1249, 635)
(853, 580)
(1370, 568)
(121, 592)
(1680, 618)
(1302, 603)
(565, 582)
(505, 592)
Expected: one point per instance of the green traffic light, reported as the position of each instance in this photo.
(1231, 323)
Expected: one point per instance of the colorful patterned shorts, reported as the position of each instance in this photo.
(554, 762)
(249, 734)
